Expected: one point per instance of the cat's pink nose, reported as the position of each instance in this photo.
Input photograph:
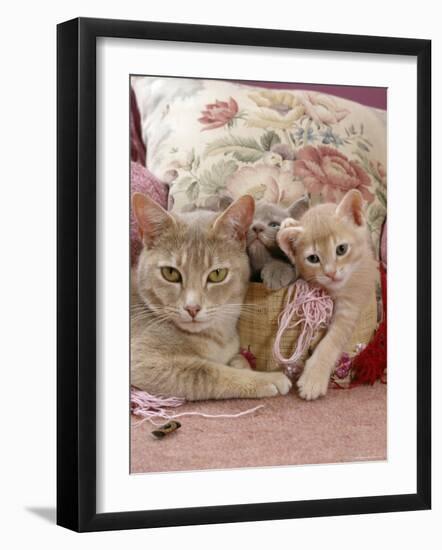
(258, 228)
(193, 310)
(331, 274)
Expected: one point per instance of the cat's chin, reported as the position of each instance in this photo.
(256, 244)
(193, 326)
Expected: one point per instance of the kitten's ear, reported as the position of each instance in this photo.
(299, 207)
(236, 220)
(288, 235)
(151, 218)
(352, 207)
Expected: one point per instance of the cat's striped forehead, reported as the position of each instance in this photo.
(319, 224)
(322, 226)
(325, 244)
(193, 245)
(196, 255)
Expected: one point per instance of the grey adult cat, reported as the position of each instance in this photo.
(187, 295)
(268, 262)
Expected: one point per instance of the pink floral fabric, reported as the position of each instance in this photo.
(323, 109)
(208, 139)
(325, 170)
(218, 114)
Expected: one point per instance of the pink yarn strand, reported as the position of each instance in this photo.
(150, 407)
(313, 309)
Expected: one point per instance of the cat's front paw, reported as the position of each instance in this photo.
(313, 382)
(272, 383)
(276, 275)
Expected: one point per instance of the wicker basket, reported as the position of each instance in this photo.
(258, 329)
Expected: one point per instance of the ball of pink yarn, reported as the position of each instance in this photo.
(143, 181)
(311, 308)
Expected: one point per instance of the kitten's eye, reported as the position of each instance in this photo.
(274, 224)
(341, 249)
(313, 259)
(171, 274)
(217, 275)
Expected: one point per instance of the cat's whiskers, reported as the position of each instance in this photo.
(146, 313)
(231, 312)
(150, 319)
(232, 306)
(242, 304)
(225, 316)
(159, 309)
(242, 309)
(157, 322)
(312, 279)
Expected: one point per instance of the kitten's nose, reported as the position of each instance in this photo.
(258, 228)
(331, 274)
(192, 310)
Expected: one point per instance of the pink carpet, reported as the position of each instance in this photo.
(345, 426)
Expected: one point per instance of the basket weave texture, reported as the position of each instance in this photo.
(257, 330)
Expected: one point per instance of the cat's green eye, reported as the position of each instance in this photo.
(217, 275)
(274, 224)
(341, 249)
(171, 274)
(313, 259)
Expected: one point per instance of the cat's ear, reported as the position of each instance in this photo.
(237, 218)
(299, 207)
(151, 218)
(287, 237)
(352, 207)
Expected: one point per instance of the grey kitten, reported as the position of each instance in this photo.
(267, 260)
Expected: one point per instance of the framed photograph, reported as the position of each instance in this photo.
(224, 273)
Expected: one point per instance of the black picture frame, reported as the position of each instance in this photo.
(76, 273)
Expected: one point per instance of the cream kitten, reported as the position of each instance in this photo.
(188, 291)
(330, 246)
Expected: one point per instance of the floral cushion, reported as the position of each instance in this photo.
(210, 138)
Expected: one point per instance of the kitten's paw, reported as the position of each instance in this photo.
(282, 382)
(276, 275)
(239, 362)
(273, 383)
(313, 383)
(288, 222)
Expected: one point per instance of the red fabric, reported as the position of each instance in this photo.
(371, 364)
